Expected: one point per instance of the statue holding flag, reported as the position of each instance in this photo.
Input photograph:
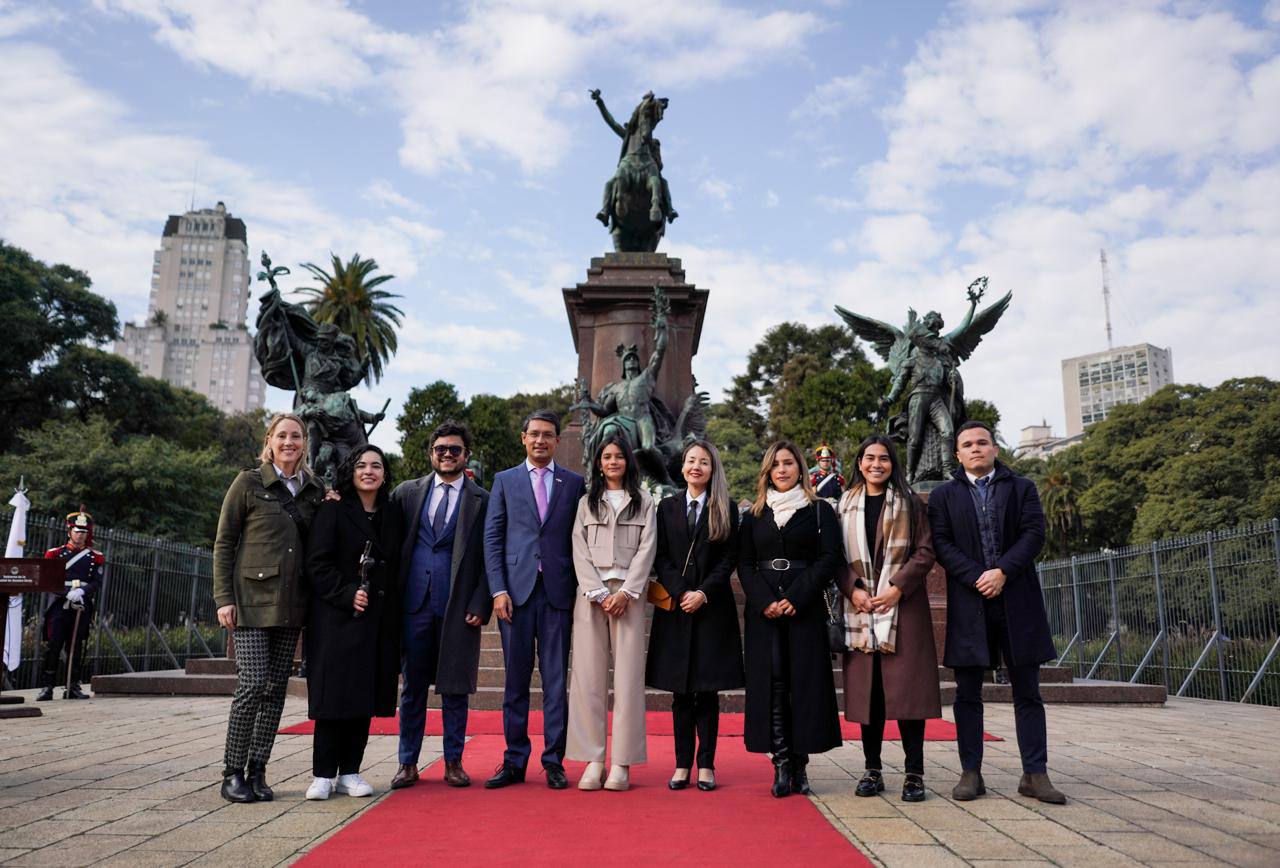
(321, 365)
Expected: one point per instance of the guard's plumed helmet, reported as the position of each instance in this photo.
(81, 520)
(824, 451)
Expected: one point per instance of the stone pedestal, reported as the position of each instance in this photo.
(613, 307)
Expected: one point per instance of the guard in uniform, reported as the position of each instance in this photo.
(84, 576)
(825, 477)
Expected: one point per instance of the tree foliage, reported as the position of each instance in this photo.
(348, 299)
(1186, 460)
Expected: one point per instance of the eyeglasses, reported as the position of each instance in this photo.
(453, 450)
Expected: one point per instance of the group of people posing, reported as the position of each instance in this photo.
(397, 583)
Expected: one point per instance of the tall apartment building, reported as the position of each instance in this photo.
(195, 335)
(1093, 384)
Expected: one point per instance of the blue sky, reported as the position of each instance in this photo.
(873, 155)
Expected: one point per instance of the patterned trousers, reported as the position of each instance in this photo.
(264, 661)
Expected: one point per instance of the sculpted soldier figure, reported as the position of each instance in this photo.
(66, 621)
(631, 407)
(637, 200)
(925, 366)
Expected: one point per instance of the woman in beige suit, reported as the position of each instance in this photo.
(614, 543)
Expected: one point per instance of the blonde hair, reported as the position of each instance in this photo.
(268, 456)
(718, 523)
(764, 483)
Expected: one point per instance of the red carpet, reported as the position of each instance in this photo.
(739, 823)
(657, 723)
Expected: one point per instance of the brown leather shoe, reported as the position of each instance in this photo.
(406, 776)
(970, 787)
(1039, 787)
(454, 775)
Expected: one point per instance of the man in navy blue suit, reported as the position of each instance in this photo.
(529, 560)
(987, 529)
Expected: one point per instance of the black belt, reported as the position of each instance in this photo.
(782, 565)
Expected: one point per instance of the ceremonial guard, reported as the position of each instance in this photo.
(825, 477)
(66, 621)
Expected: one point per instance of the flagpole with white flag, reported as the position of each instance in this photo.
(14, 549)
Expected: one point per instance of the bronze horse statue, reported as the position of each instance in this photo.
(637, 200)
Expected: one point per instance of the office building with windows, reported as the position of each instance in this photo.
(195, 335)
(1093, 384)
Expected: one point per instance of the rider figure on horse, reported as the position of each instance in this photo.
(639, 165)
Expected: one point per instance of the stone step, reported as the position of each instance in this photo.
(1073, 693)
(211, 666)
(1048, 675)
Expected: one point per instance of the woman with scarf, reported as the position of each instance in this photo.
(891, 667)
(790, 551)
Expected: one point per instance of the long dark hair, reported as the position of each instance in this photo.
(630, 478)
(897, 476)
(347, 472)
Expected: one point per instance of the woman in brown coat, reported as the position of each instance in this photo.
(891, 669)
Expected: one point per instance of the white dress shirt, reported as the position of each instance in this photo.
(437, 491)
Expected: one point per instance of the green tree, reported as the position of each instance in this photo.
(423, 411)
(740, 451)
(348, 299)
(147, 484)
(1058, 497)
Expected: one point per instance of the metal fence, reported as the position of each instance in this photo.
(155, 608)
(1197, 614)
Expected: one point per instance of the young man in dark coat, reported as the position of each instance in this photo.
(988, 528)
(446, 599)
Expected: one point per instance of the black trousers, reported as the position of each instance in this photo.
(338, 746)
(873, 732)
(695, 714)
(55, 669)
(1028, 707)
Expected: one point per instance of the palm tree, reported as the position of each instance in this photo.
(348, 299)
(1061, 512)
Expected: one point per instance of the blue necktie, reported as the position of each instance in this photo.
(437, 522)
(982, 487)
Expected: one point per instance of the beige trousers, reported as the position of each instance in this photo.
(594, 633)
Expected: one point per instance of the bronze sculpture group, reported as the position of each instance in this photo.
(322, 365)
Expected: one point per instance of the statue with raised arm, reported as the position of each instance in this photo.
(925, 365)
(631, 407)
(321, 365)
(637, 200)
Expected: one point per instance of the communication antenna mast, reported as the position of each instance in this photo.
(1106, 293)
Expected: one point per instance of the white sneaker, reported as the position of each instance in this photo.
(320, 789)
(353, 785)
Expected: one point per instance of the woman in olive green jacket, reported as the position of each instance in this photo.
(258, 588)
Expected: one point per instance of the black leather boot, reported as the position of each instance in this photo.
(799, 773)
(45, 695)
(74, 692)
(256, 777)
(779, 741)
(235, 788)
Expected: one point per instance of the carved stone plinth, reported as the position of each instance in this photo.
(613, 307)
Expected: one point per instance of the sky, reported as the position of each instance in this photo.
(874, 155)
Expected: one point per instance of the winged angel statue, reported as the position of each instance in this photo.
(925, 365)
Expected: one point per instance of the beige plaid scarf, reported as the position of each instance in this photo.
(870, 632)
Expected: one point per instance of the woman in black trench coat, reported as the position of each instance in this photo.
(790, 551)
(695, 650)
(353, 635)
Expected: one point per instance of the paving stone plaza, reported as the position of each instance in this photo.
(134, 781)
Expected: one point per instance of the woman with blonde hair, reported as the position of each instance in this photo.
(695, 649)
(790, 550)
(258, 587)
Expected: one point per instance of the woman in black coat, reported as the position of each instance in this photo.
(695, 649)
(353, 633)
(790, 551)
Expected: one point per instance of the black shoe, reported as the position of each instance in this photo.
(235, 788)
(505, 777)
(872, 783)
(678, 783)
(45, 695)
(709, 784)
(913, 789)
(781, 776)
(74, 692)
(556, 779)
(256, 776)
(800, 775)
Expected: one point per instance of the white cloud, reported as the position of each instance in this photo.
(832, 98)
(901, 239)
(15, 19)
(494, 79)
(771, 199)
(720, 190)
(383, 192)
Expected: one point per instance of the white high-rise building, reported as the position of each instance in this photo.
(1093, 384)
(195, 335)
